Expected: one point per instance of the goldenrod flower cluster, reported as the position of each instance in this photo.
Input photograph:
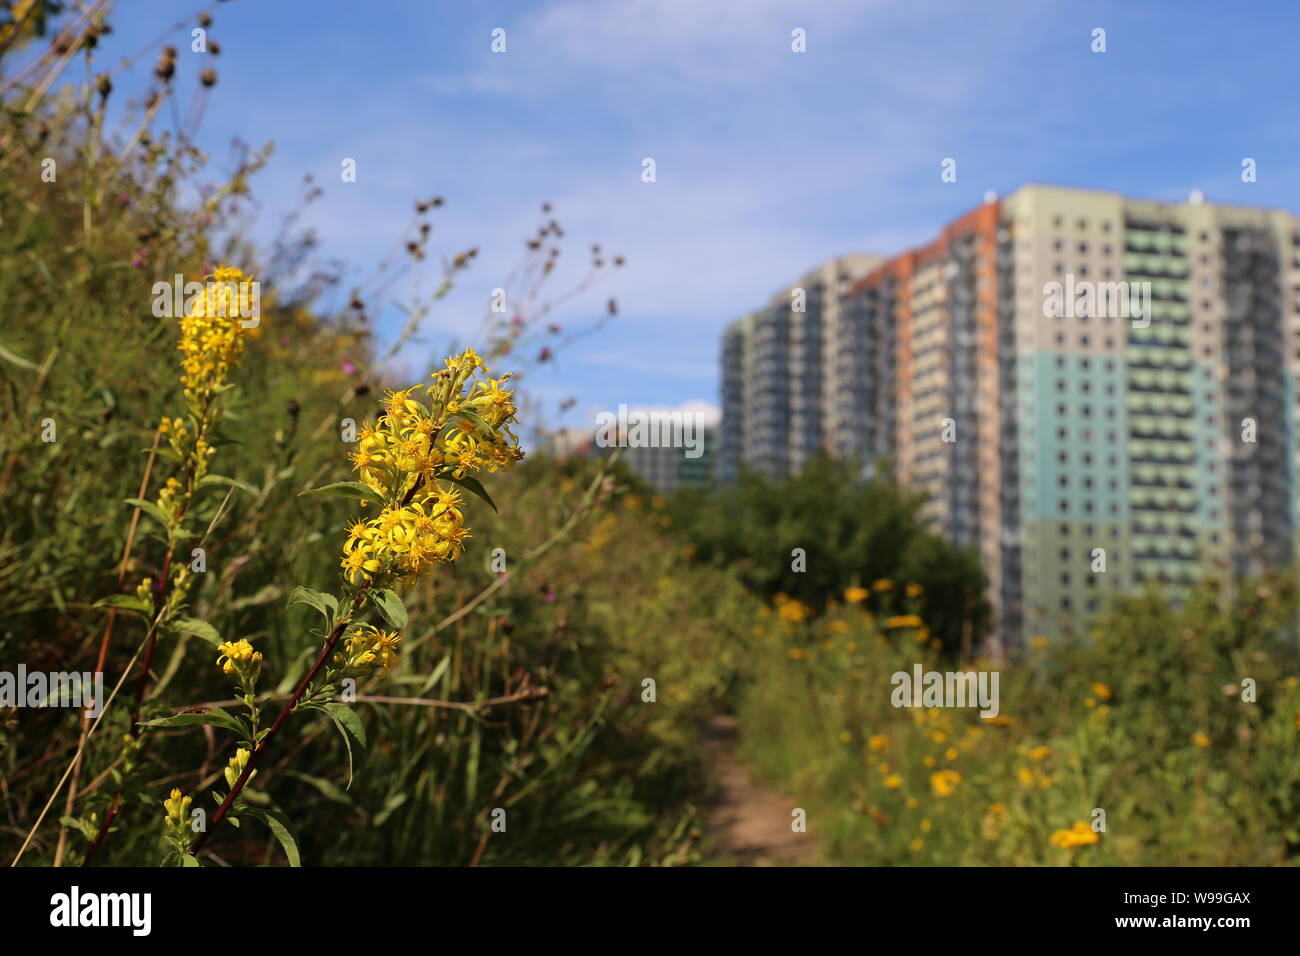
(464, 428)
(177, 807)
(212, 333)
(236, 766)
(791, 609)
(212, 341)
(239, 660)
(364, 649)
(1078, 835)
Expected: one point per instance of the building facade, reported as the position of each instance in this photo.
(1093, 391)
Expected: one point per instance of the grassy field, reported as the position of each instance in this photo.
(541, 696)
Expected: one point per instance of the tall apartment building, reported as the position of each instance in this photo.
(789, 394)
(1142, 413)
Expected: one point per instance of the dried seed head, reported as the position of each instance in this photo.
(166, 67)
(208, 77)
(103, 86)
(205, 19)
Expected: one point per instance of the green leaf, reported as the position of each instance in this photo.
(391, 804)
(17, 359)
(325, 603)
(264, 595)
(344, 489)
(390, 606)
(328, 788)
(349, 725)
(201, 629)
(232, 482)
(149, 508)
(215, 718)
(189, 860)
(128, 602)
(280, 828)
(471, 484)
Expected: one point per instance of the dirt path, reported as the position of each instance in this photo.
(749, 824)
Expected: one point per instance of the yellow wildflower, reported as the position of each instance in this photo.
(944, 782)
(1078, 835)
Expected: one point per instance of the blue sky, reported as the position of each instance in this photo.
(768, 161)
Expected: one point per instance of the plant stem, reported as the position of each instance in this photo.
(330, 643)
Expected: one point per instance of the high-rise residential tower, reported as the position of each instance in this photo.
(1094, 391)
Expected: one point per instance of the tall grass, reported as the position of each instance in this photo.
(1149, 718)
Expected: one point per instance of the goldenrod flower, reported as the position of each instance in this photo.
(236, 767)
(364, 649)
(1101, 690)
(878, 742)
(944, 782)
(177, 807)
(1078, 835)
(1200, 739)
(856, 595)
(791, 609)
(212, 334)
(406, 453)
(893, 781)
(903, 620)
(239, 660)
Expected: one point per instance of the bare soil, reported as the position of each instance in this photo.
(749, 824)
